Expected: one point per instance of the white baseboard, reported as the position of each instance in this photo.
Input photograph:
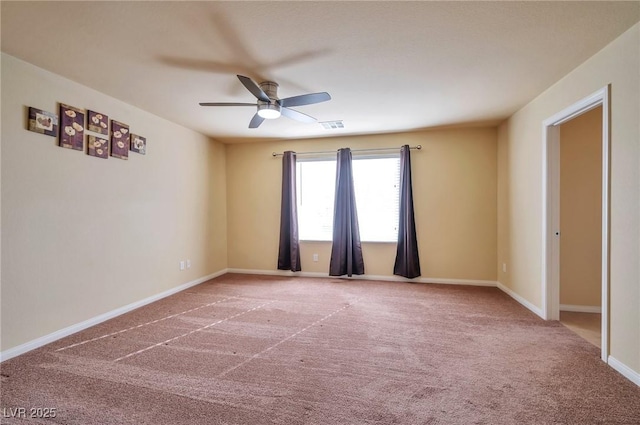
(470, 282)
(368, 277)
(521, 300)
(624, 370)
(276, 273)
(54, 336)
(581, 308)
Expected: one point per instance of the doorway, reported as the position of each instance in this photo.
(576, 292)
(580, 221)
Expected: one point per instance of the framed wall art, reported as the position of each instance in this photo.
(138, 144)
(97, 122)
(119, 140)
(71, 127)
(43, 122)
(97, 146)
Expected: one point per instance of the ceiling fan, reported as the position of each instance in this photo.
(270, 106)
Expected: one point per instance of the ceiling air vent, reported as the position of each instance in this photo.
(328, 125)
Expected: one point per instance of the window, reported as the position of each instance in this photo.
(316, 190)
(377, 187)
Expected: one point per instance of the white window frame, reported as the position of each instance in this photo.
(390, 237)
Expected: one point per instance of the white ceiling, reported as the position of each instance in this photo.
(389, 66)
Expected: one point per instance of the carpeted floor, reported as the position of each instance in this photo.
(269, 350)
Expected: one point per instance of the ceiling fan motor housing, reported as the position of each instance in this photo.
(269, 109)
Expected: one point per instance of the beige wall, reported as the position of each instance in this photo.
(82, 236)
(454, 183)
(520, 174)
(504, 230)
(581, 210)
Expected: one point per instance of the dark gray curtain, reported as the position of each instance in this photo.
(407, 259)
(346, 251)
(289, 251)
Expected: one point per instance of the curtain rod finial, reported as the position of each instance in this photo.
(274, 154)
(419, 147)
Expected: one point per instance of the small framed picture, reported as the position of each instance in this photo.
(138, 144)
(43, 122)
(71, 127)
(119, 140)
(97, 122)
(97, 146)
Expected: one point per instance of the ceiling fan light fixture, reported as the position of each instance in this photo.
(270, 106)
(269, 111)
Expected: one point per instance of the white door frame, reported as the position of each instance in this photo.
(551, 208)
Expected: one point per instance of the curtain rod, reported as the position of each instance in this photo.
(418, 147)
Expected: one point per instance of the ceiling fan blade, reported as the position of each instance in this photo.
(295, 115)
(256, 121)
(226, 104)
(253, 88)
(305, 99)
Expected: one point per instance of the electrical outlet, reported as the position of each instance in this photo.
(315, 257)
(181, 265)
(504, 267)
(188, 264)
